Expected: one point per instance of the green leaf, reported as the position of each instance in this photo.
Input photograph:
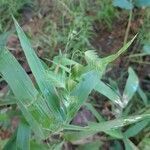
(146, 48)
(3, 39)
(39, 72)
(35, 126)
(23, 137)
(105, 90)
(109, 125)
(3, 117)
(142, 3)
(129, 145)
(8, 101)
(108, 59)
(76, 135)
(78, 132)
(125, 4)
(16, 77)
(82, 91)
(143, 96)
(130, 87)
(38, 146)
(136, 128)
(94, 112)
(56, 79)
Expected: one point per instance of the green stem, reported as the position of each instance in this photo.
(128, 27)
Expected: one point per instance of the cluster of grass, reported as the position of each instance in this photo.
(7, 8)
(47, 106)
(71, 28)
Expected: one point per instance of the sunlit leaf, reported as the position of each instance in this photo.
(23, 137)
(107, 91)
(142, 3)
(38, 71)
(130, 87)
(125, 4)
(136, 128)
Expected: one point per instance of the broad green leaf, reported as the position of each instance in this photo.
(105, 90)
(82, 91)
(125, 4)
(142, 3)
(23, 137)
(130, 87)
(136, 128)
(38, 71)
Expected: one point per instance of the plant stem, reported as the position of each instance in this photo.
(128, 27)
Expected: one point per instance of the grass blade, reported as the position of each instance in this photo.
(82, 91)
(130, 87)
(23, 137)
(38, 71)
(104, 89)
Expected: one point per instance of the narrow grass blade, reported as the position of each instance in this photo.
(129, 145)
(7, 101)
(143, 96)
(94, 112)
(130, 87)
(82, 91)
(136, 128)
(38, 71)
(105, 90)
(23, 137)
(35, 126)
(111, 58)
(109, 125)
(21, 86)
(16, 77)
